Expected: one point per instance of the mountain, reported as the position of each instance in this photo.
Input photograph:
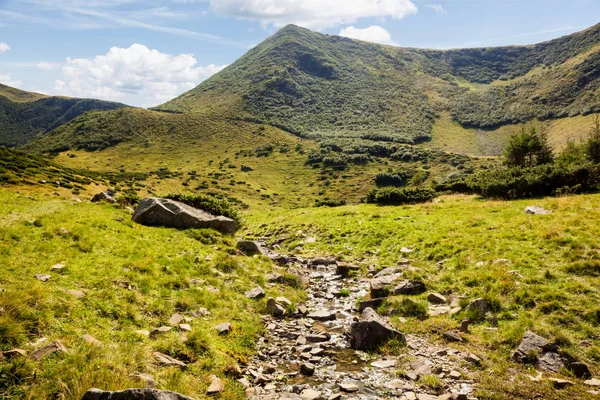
(318, 85)
(25, 115)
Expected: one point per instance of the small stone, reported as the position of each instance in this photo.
(78, 294)
(310, 394)
(42, 277)
(175, 319)
(216, 386)
(166, 360)
(534, 210)
(592, 382)
(464, 326)
(250, 248)
(384, 364)
(57, 267)
(580, 370)
(275, 308)
(436, 298)
(147, 379)
(473, 359)
(223, 328)
(454, 375)
(349, 387)
(479, 305)
(52, 348)
(283, 301)
(302, 310)
(322, 315)
(335, 396)
(452, 336)
(13, 353)
(160, 331)
(318, 338)
(185, 327)
(371, 303)
(307, 369)
(92, 341)
(255, 293)
(560, 383)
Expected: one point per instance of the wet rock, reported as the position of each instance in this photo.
(371, 303)
(42, 277)
(255, 293)
(143, 332)
(534, 210)
(436, 298)
(550, 361)
(223, 328)
(318, 338)
(307, 369)
(147, 379)
(479, 305)
(173, 214)
(103, 196)
(349, 387)
(322, 315)
(310, 394)
(372, 331)
(580, 370)
(274, 308)
(167, 360)
(175, 319)
(216, 386)
(250, 248)
(452, 336)
(133, 394)
(55, 347)
(560, 383)
(92, 341)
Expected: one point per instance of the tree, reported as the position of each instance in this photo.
(592, 146)
(528, 148)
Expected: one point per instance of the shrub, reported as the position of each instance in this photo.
(398, 196)
(397, 179)
(209, 204)
(329, 203)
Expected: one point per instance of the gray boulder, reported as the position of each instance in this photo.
(372, 331)
(134, 394)
(155, 211)
(103, 196)
(534, 349)
(250, 248)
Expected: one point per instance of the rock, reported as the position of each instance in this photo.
(345, 270)
(274, 277)
(283, 301)
(436, 298)
(464, 326)
(92, 341)
(202, 312)
(78, 294)
(454, 375)
(255, 293)
(322, 315)
(166, 360)
(185, 327)
(372, 331)
(302, 310)
(349, 387)
(223, 328)
(479, 305)
(560, 383)
(57, 267)
(216, 386)
(274, 308)
(371, 303)
(318, 338)
(550, 361)
(323, 261)
(13, 353)
(143, 332)
(580, 370)
(173, 214)
(592, 382)
(147, 379)
(384, 364)
(250, 248)
(310, 394)
(307, 369)
(335, 396)
(473, 359)
(42, 277)
(531, 345)
(534, 210)
(175, 319)
(160, 331)
(452, 336)
(134, 394)
(103, 196)
(52, 348)
(381, 284)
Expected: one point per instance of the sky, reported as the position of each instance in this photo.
(146, 52)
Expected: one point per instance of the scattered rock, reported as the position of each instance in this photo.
(534, 210)
(384, 364)
(302, 310)
(318, 338)
(52, 348)
(473, 359)
(167, 360)
(92, 341)
(274, 277)
(560, 383)
(216, 386)
(283, 301)
(580, 370)
(372, 331)
(310, 394)
(185, 327)
(42, 277)
(250, 248)
(147, 379)
(436, 298)
(452, 336)
(382, 282)
(175, 319)
(13, 353)
(274, 308)
(173, 214)
(454, 375)
(550, 361)
(345, 270)
(78, 294)
(159, 331)
(371, 303)
(57, 267)
(349, 387)
(323, 261)
(464, 326)
(592, 382)
(479, 305)
(223, 328)
(255, 293)
(322, 315)
(103, 196)
(307, 369)
(531, 345)
(134, 394)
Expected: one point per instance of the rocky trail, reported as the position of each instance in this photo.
(313, 353)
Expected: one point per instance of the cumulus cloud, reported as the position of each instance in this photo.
(314, 14)
(437, 8)
(6, 79)
(136, 71)
(375, 34)
(4, 47)
(47, 65)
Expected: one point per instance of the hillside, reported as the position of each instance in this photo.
(317, 85)
(25, 116)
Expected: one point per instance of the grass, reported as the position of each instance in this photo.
(134, 277)
(536, 272)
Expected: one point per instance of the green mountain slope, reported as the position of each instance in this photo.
(327, 86)
(25, 116)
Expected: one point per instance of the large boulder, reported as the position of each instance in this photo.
(372, 331)
(155, 211)
(134, 394)
(250, 248)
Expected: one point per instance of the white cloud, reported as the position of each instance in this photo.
(134, 72)
(314, 14)
(9, 81)
(4, 47)
(375, 34)
(47, 65)
(437, 8)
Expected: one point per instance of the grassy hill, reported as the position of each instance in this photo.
(25, 116)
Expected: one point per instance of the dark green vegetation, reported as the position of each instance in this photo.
(25, 116)
(209, 204)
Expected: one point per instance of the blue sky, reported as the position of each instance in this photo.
(145, 52)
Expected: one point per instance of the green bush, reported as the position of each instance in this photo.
(398, 196)
(209, 204)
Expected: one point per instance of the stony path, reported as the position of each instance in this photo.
(308, 356)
